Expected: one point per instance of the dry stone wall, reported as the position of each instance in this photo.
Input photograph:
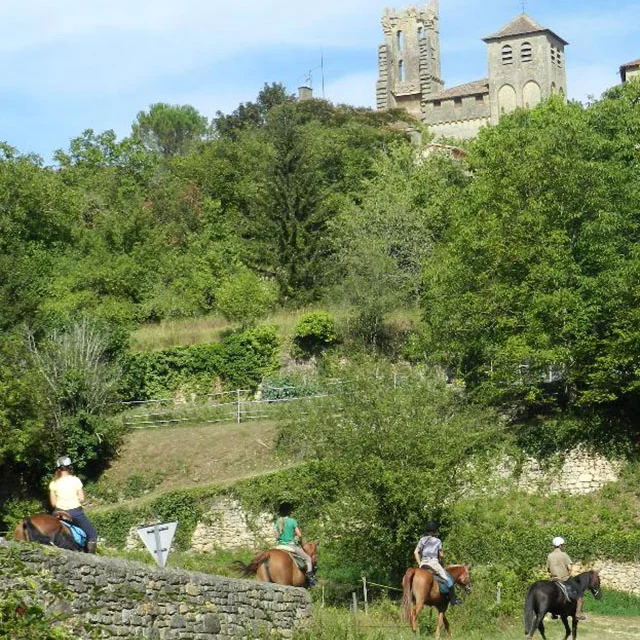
(622, 576)
(579, 473)
(130, 599)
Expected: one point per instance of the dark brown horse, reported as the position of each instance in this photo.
(546, 596)
(278, 566)
(420, 586)
(46, 529)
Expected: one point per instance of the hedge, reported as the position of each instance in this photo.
(240, 361)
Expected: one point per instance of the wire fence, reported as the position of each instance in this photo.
(238, 405)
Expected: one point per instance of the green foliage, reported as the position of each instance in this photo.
(169, 129)
(516, 529)
(532, 295)
(23, 615)
(240, 361)
(184, 507)
(388, 457)
(14, 510)
(245, 298)
(314, 333)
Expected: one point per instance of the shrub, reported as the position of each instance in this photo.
(314, 333)
(240, 361)
(246, 298)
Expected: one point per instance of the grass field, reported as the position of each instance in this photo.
(172, 333)
(160, 460)
(332, 624)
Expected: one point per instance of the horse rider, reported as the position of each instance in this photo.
(429, 554)
(289, 538)
(559, 566)
(66, 493)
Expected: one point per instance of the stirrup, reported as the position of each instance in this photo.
(311, 578)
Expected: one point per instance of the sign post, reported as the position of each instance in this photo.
(157, 538)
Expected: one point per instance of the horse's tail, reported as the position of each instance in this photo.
(529, 612)
(407, 596)
(251, 568)
(32, 533)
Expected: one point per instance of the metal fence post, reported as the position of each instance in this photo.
(238, 400)
(354, 606)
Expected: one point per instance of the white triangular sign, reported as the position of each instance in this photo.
(157, 538)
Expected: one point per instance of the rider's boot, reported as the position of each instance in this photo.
(453, 601)
(311, 578)
(91, 547)
(579, 614)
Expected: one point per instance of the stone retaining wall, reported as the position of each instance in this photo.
(622, 576)
(580, 472)
(130, 599)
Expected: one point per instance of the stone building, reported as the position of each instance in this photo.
(630, 70)
(525, 66)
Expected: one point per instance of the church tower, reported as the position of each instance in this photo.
(409, 59)
(526, 66)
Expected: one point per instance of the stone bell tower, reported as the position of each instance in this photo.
(409, 59)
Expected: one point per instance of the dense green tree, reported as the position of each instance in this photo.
(169, 129)
(533, 297)
(251, 114)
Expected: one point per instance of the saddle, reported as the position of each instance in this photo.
(567, 590)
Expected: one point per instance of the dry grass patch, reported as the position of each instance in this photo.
(182, 457)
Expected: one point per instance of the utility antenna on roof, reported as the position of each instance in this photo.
(524, 2)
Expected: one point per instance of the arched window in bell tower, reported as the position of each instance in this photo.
(401, 71)
(400, 40)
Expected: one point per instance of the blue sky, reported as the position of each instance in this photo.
(68, 65)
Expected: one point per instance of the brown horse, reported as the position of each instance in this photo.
(45, 529)
(420, 585)
(278, 566)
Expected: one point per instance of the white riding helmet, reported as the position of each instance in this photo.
(557, 541)
(64, 461)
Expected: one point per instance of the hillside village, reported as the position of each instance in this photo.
(305, 308)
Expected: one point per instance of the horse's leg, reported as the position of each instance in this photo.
(541, 629)
(447, 628)
(574, 628)
(537, 621)
(415, 612)
(566, 626)
(440, 623)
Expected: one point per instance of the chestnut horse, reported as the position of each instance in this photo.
(278, 566)
(421, 586)
(45, 529)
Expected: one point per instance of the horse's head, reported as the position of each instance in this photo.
(594, 584)
(462, 576)
(312, 549)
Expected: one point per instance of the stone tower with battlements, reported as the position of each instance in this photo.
(526, 66)
(409, 59)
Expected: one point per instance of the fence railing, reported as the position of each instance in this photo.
(238, 405)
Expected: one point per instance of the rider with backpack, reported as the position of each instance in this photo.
(66, 494)
(429, 554)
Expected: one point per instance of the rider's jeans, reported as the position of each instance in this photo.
(80, 519)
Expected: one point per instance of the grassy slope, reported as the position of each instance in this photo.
(172, 333)
(176, 458)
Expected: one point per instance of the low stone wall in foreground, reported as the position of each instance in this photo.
(133, 600)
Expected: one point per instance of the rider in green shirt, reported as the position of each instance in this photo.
(289, 538)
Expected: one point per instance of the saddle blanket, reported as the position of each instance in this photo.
(302, 565)
(79, 536)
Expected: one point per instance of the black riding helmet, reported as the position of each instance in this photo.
(431, 527)
(285, 509)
